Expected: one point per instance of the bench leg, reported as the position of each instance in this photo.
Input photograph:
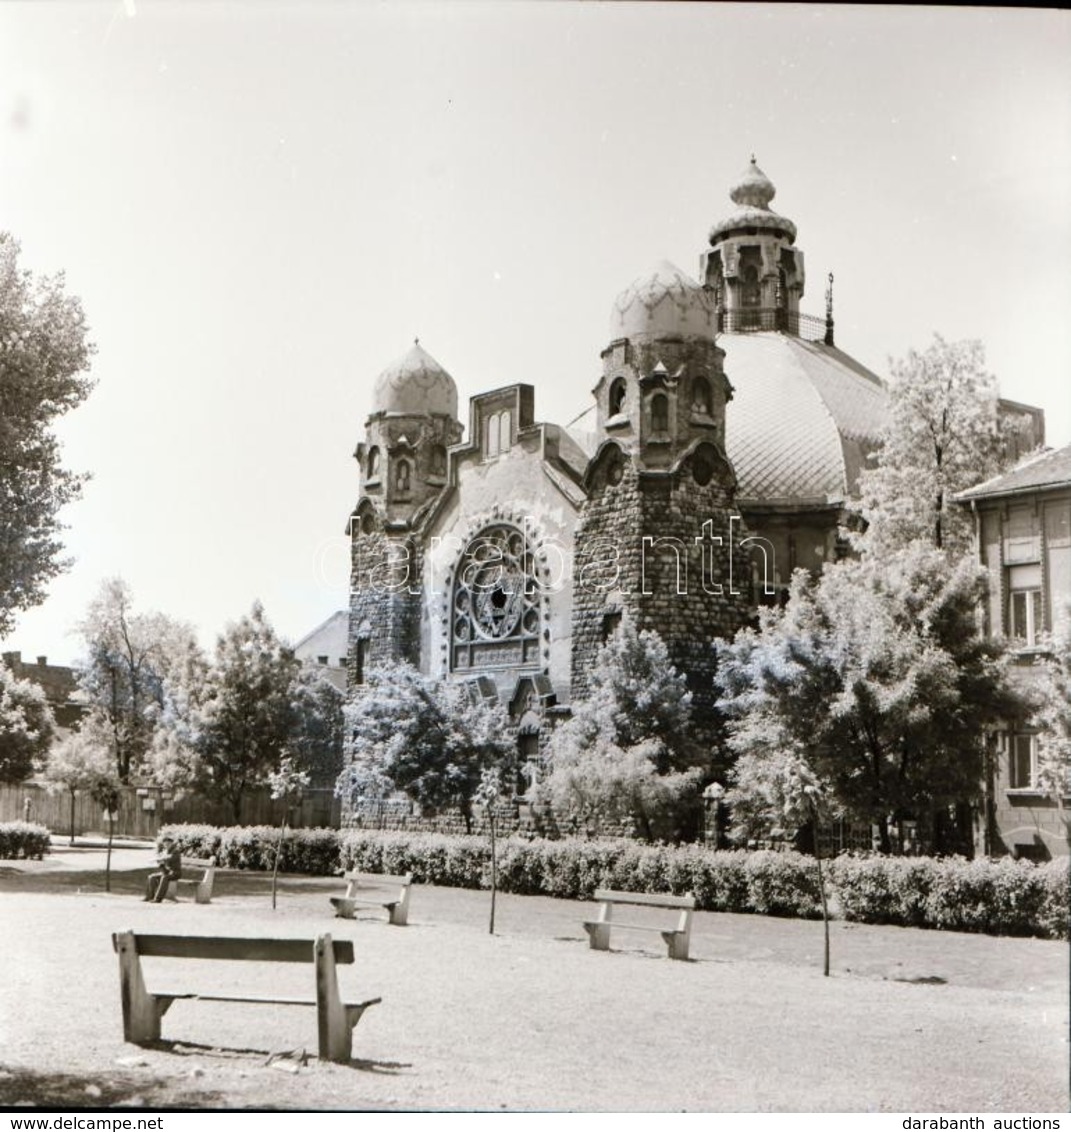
(399, 913)
(141, 1011)
(334, 1021)
(598, 936)
(677, 943)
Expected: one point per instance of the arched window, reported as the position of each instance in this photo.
(437, 460)
(372, 464)
(495, 603)
(617, 396)
(402, 477)
(751, 292)
(490, 436)
(660, 413)
(505, 430)
(702, 398)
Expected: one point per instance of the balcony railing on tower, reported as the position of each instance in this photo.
(744, 320)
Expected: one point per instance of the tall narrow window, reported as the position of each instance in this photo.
(402, 477)
(1025, 616)
(359, 659)
(617, 397)
(505, 430)
(660, 413)
(490, 436)
(372, 467)
(1022, 761)
(702, 398)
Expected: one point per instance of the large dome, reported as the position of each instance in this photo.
(803, 418)
(665, 301)
(415, 384)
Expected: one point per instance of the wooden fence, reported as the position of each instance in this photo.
(144, 809)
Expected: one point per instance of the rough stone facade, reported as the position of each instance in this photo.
(508, 557)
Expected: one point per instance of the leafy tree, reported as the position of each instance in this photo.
(317, 744)
(1053, 716)
(432, 741)
(136, 674)
(627, 753)
(81, 762)
(26, 726)
(943, 436)
(877, 677)
(43, 355)
(248, 711)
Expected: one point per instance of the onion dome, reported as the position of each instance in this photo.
(752, 194)
(663, 302)
(415, 384)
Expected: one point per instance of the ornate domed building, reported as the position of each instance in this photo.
(729, 432)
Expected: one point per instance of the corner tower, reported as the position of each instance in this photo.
(657, 540)
(754, 269)
(404, 466)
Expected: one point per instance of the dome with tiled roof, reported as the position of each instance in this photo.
(415, 384)
(665, 301)
(803, 419)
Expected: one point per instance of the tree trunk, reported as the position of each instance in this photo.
(108, 858)
(494, 867)
(278, 854)
(72, 816)
(822, 893)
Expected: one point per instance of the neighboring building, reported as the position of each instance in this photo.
(60, 685)
(1023, 532)
(723, 416)
(326, 647)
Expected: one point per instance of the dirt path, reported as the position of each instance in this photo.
(530, 1018)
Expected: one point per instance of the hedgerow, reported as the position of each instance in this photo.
(23, 839)
(1003, 897)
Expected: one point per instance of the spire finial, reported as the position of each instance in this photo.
(829, 312)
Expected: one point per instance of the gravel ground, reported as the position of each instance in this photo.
(529, 1018)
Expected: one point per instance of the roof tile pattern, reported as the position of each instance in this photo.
(1048, 469)
(802, 419)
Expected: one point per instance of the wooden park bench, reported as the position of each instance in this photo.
(677, 939)
(375, 890)
(143, 1009)
(202, 885)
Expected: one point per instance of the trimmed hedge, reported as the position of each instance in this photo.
(310, 851)
(23, 839)
(1003, 897)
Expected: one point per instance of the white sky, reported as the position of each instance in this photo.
(261, 205)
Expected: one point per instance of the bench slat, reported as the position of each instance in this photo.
(377, 879)
(654, 900)
(629, 927)
(237, 947)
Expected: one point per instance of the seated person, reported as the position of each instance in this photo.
(169, 861)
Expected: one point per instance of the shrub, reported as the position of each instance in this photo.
(882, 890)
(23, 839)
(1004, 897)
(782, 884)
(311, 851)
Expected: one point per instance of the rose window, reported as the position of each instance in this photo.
(496, 602)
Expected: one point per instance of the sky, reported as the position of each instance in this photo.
(262, 205)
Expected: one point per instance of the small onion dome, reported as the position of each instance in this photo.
(416, 384)
(666, 301)
(752, 194)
